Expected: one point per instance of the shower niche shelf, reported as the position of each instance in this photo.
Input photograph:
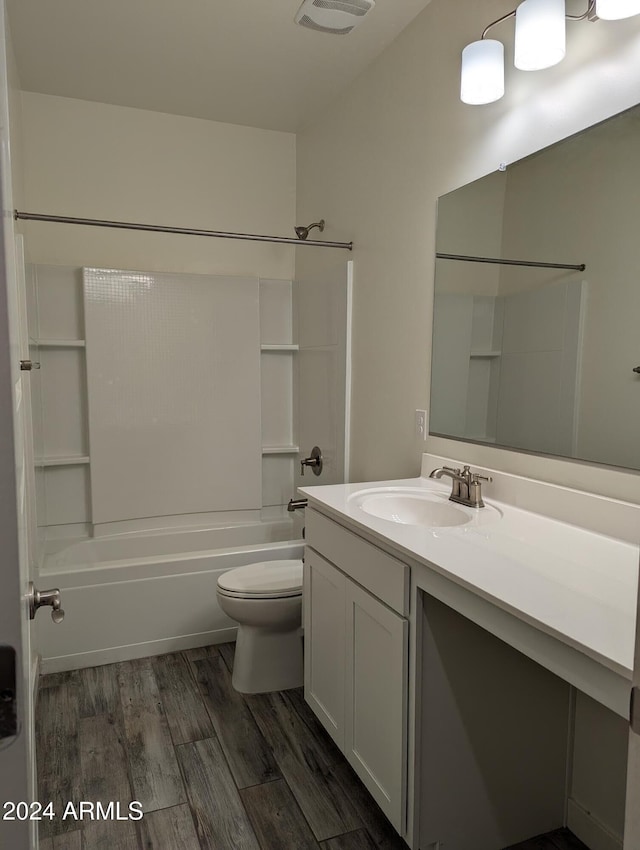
(280, 450)
(61, 343)
(484, 355)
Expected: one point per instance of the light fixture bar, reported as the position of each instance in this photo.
(591, 6)
(498, 21)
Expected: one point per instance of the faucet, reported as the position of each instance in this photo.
(466, 488)
(294, 504)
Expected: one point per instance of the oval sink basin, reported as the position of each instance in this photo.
(418, 507)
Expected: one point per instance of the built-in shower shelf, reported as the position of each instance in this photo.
(280, 450)
(485, 354)
(268, 347)
(61, 343)
(63, 460)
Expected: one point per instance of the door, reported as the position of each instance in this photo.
(324, 646)
(376, 700)
(17, 774)
(632, 818)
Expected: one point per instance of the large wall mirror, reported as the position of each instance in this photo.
(535, 352)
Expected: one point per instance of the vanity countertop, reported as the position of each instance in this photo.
(574, 584)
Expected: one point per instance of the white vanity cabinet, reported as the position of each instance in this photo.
(512, 707)
(356, 648)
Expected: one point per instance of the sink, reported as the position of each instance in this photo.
(417, 506)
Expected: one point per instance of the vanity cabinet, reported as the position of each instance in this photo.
(512, 707)
(356, 674)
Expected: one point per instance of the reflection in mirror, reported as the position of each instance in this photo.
(542, 359)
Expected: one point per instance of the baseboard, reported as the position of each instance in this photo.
(589, 829)
(97, 657)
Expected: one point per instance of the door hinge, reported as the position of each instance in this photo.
(8, 704)
(634, 710)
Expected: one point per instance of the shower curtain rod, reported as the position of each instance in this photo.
(500, 262)
(185, 231)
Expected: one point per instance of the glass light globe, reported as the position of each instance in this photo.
(482, 78)
(540, 34)
(615, 10)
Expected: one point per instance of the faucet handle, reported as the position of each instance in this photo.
(476, 477)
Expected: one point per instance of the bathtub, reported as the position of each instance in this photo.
(138, 594)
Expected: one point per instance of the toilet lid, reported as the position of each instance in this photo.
(268, 578)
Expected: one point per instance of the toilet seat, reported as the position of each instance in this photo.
(264, 580)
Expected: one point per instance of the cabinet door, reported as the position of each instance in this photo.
(324, 643)
(376, 700)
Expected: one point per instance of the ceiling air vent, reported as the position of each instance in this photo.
(334, 16)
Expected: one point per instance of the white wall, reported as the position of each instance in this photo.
(374, 166)
(15, 127)
(94, 160)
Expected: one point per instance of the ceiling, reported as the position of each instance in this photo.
(238, 61)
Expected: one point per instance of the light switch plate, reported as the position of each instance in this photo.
(421, 424)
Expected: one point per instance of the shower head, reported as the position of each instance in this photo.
(303, 232)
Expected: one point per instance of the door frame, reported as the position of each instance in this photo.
(17, 775)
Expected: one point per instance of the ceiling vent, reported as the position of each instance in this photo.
(334, 16)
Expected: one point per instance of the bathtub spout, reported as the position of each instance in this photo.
(296, 504)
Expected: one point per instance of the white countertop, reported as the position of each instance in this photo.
(574, 584)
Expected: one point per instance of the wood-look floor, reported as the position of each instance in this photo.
(213, 770)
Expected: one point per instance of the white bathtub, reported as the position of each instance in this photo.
(133, 595)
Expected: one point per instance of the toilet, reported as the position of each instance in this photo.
(265, 599)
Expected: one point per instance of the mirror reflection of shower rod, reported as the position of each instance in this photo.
(534, 264)
(184, 231)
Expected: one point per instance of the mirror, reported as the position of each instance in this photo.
(542, 358)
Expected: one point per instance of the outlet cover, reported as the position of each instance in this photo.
(421, 424)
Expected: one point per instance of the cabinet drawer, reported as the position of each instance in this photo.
(384, 576)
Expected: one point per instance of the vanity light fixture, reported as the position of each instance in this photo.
(482, 71)
(616, 10)
(539, 43)
(540, 34)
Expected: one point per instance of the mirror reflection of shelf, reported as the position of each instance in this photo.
(282, 348)
(485, 354)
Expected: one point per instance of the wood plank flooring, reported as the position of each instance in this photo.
(214, 770)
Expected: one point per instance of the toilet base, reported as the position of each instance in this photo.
(266, 660)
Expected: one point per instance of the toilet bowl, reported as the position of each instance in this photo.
(265, 599)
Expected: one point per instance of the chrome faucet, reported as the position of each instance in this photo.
(466, 488)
